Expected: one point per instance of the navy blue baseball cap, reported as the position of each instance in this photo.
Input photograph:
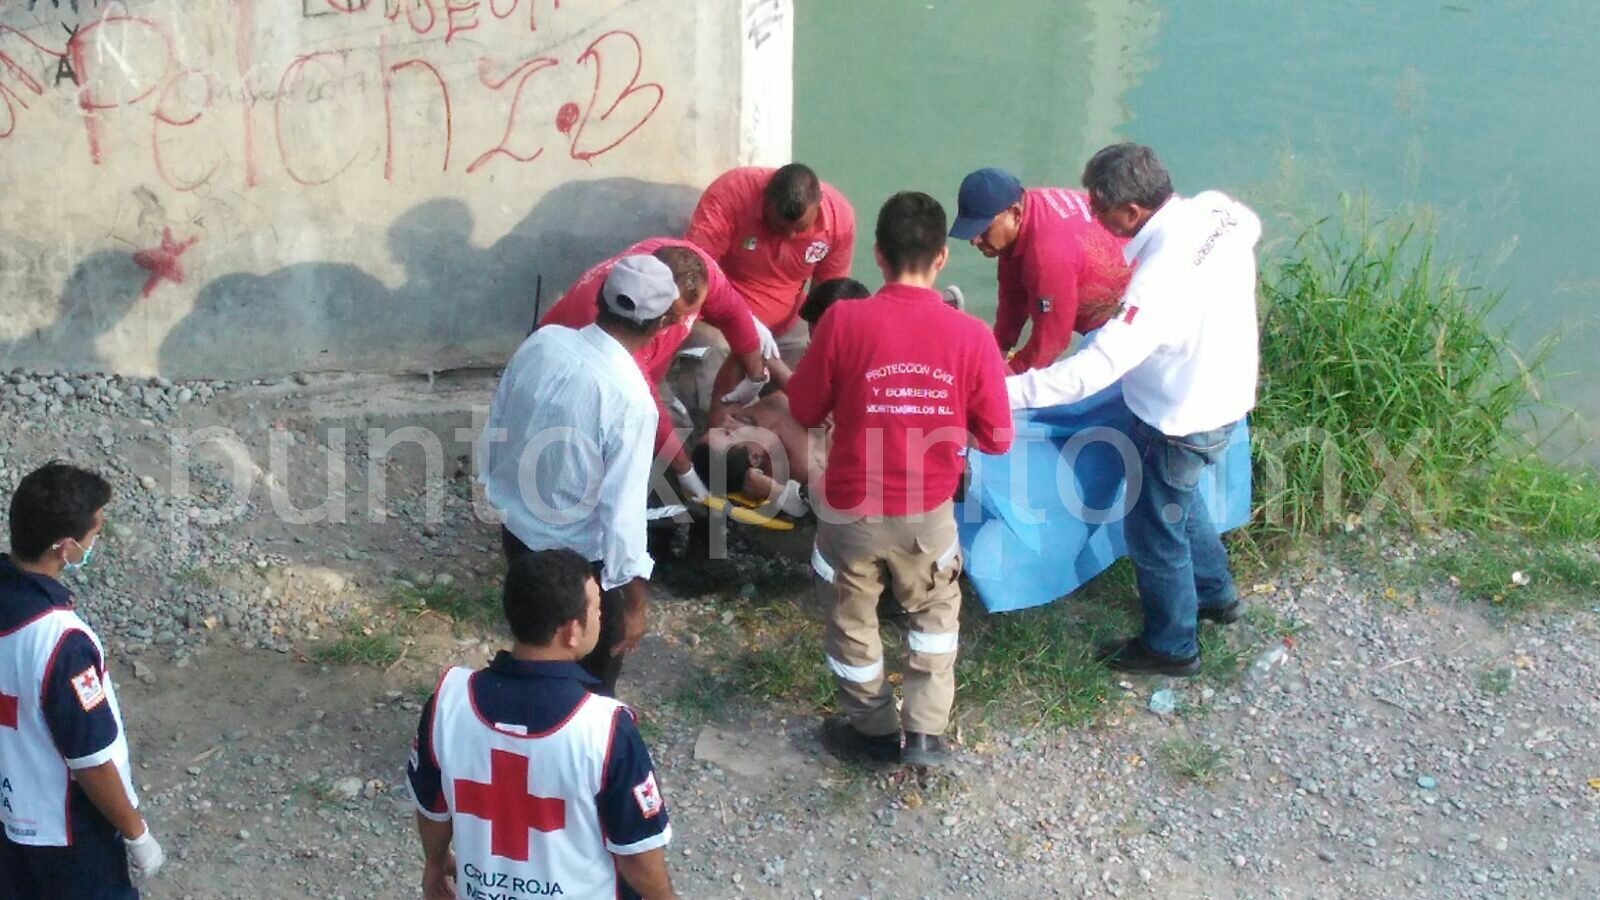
(984, 194)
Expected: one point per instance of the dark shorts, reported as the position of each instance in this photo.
(93, 867)
(601, 663)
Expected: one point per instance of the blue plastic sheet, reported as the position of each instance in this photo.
(1040, 521)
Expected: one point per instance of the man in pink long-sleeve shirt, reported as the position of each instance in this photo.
(772, 230)
(704, 295)
(910, 384)
(1058, 266)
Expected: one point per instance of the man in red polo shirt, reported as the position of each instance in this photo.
(910, 384)
(704, 294)
(1059, 267)
(771, 230)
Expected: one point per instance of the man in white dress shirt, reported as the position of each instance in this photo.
(567, 451)
(1184, 343)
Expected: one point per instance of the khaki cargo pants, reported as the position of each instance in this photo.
(921, 557)
(792, 345)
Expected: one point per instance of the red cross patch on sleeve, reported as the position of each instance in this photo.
(648, 797)
(91, 693)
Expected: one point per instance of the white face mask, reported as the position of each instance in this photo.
(69, 568)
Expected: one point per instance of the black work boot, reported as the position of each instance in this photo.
(1222, 615)
(926, 750)
(842, 740)
(1134, 657)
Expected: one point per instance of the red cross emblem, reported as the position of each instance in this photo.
(8, 711)
(508, 807)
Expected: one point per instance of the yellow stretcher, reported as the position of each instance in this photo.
(746, 510)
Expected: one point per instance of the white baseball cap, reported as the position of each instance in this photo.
(640, 288)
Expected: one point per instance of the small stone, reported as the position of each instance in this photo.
(1216, 813)
(1239, 861)
(244, 835)
(302, 378)
(443, 579)
(1427, 782)
(1326, 855)
(348, 788)
(948, 821)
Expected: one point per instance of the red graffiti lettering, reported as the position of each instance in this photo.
(88, 103)
(163, 262)
(533, 13)
(625, 40)
(469, 21)
(388, 110)
(527, 70)
(348, 6)
(291, 78)
(494, 9)
(409, 6)
(160, 117)
(8, 95)
(244, 56)
(566, 117)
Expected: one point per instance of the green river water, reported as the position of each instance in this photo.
(1483, 113)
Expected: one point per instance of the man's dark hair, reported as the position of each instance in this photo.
(911, 231)
(52, 503)
(544, 591)
(688, 269)
(736, 460)
(827, 294)
(622, 325)
(1127, 173)
(791, 191)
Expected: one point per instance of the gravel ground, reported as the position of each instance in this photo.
(1406, 746)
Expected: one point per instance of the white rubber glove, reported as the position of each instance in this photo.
(748, 391)
(769, 344)
(694, 489)
(145, 856)
(953, 297)
(791, 502)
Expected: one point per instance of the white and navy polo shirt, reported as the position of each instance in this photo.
(58, 711)
(542, 780)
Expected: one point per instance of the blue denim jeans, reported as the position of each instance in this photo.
(1177, 556)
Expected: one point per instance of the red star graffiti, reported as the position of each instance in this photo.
(163, 262)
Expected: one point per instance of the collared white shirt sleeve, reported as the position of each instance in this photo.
(568, 450)
(627, 452)
(1124, 342)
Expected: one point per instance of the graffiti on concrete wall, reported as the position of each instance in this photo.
(142, 90)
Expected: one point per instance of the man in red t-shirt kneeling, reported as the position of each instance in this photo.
(910, 384)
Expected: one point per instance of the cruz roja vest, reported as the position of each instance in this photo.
(523, 805)
(34, 779)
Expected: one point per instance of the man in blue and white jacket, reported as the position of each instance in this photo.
(544, 787)
(66, 789)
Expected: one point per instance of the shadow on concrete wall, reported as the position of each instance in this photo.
(102, 289)
(459, 304)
